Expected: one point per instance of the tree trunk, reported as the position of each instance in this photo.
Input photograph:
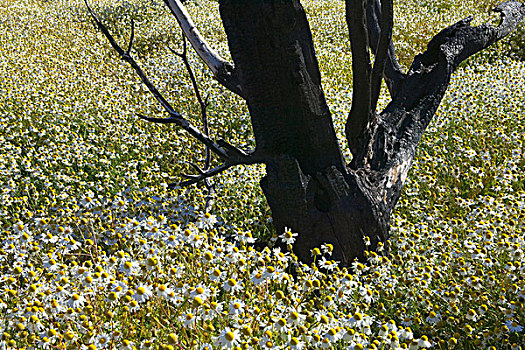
(308, 186)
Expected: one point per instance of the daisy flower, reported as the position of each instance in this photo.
(76, 301)
(236, 307)
(228, 338)
(102, 341)
(513, 326)
(142, 293)
(130, 267)
(288, 237)
(296, 344)
(232, 285)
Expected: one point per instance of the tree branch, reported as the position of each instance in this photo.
(399, 128)
(381, 54)
(252, 158)
(125, 55)
(222, 70)
(203, 103)
(224, 150)
(361, 95)
(225, 154)
(447, 50)
(203, 175)
(392, 73)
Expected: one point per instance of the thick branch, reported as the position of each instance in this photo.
(387, 22)
(222, 70)
(430, 72)
(396, 134)
(361, 68)
(375, 18)
(361, 114)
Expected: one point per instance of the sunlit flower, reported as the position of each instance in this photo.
(142, 293)
(288, 237)
(513, 326)
(228, 338)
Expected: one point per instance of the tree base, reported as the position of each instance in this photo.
(324, 208)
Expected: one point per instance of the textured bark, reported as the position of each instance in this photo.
(271, 46)
(326, 207)
(392, 73)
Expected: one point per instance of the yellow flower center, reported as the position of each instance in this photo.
(229, 336)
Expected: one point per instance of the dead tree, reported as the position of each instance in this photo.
(308, 185)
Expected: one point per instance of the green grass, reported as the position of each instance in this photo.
(95, 252)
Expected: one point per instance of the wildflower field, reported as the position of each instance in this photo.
(97, 253)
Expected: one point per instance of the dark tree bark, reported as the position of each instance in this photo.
(308, 186)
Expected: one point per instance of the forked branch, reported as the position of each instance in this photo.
(230, 154)
(394, 138)
(447, 50)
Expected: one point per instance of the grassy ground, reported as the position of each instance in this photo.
(97, 253)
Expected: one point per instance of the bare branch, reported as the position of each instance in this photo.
(360, 112)
(193, 179)
(175, 118)
(129, 59)
(193, 131)
(204, 114)
(202, 102)
(131, 37)
(393, 73)
(448, 49)
(222, 70)
(387, 22)
(251, 158)
(196, 167)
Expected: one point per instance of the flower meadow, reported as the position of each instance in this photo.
(97, 253)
